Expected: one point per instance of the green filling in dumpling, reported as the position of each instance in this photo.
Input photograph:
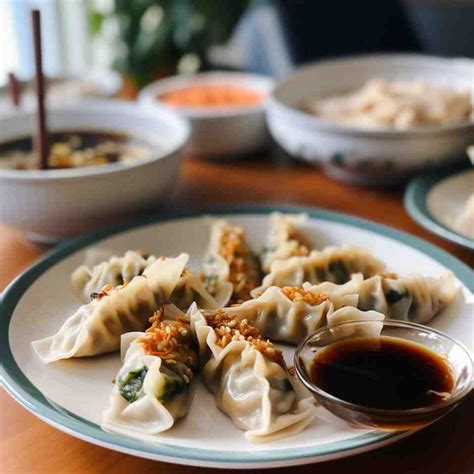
(393, 296)
(282, 385)
(130, 386)
(173, 385)
(339, 272)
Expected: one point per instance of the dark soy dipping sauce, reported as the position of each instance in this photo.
(382, 372)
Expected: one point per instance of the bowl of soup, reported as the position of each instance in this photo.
(226, 110)
(107, 160)
(375, 119)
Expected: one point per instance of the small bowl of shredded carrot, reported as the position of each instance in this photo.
(204, 96)
(226, 110)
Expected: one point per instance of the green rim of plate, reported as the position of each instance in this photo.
(415, 204)
(31, 398)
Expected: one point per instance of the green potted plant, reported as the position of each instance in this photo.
(161, 37)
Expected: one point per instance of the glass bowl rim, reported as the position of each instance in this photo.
(318, 392)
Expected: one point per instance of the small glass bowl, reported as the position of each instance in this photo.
(457, 356)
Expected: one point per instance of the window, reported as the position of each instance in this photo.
(64, 31)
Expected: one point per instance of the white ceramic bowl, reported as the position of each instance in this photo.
(218, 132)
(351, 154)
(51, 205)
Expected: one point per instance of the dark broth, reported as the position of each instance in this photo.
(101, 147)
(382, 372)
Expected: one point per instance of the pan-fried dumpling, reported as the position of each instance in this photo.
(284, 239)
(231, 270)
(334, 264)
(410, 298)
(249, 378)
(290, 314)
(115, 271)
(96, 327)
(153, 387)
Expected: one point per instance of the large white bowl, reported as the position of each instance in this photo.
(218, 132)
(51, 205)
(378, 156)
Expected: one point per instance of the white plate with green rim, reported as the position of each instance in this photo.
(435, 199)
(71, 395)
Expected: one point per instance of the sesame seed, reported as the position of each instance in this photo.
(297, 294)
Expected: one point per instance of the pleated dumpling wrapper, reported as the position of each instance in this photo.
(96, 327)
(231, 269)
(412, 298)
(284, 239)
(290, 314)
(334, 264)
(153, 388)
(87, 280)
(191, 289)
(249, 378)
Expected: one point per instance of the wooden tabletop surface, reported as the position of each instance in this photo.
(28, 445)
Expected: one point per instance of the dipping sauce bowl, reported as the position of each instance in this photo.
(377, 413)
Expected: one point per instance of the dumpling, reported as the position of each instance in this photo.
(153, 387)
(88, 281)
(96, 327)
(290, 314)
(95, 255)
(216, 278)
(334, 264)
(231, 270)
(370, 322)
(115, 271)
(249, 378)
(189, 289)
(410, 298)
(284, 239)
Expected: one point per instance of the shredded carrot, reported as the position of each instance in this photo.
(170, 340)
(211, 95)
(228, 329)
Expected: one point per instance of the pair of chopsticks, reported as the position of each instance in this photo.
(14, 88)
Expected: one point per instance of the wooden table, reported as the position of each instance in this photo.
(28, 445)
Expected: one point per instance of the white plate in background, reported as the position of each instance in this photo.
(434, 200)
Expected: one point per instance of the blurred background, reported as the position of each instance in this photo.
(148, 39)
(370, 119)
